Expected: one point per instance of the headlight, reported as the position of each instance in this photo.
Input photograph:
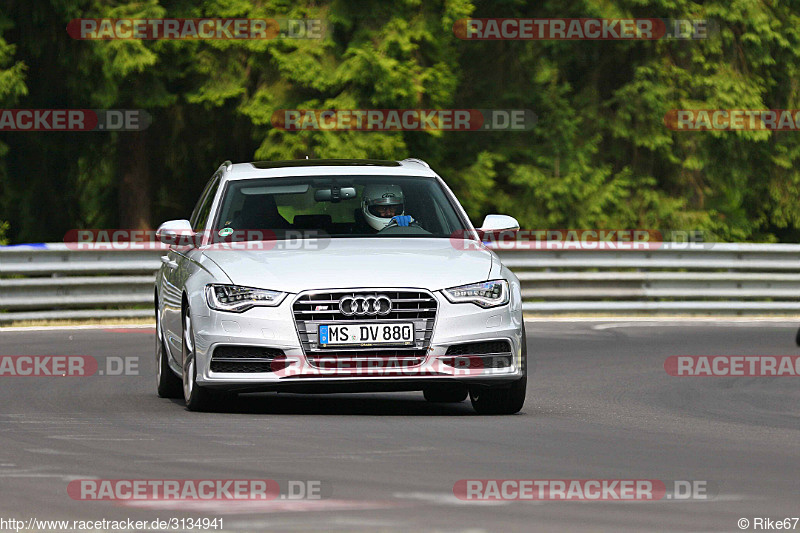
(486, 294)
(239, 299)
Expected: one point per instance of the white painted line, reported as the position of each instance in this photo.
(664, 319)
(26, 475)
(446, 498)
(50, 451)
(256, 506)
(70, 328)
(89, 437)
(687, 323)
(687, 319)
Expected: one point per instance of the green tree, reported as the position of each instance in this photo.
(599, 155)
(12, 87)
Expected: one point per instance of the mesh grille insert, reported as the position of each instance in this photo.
(243, 359)
(240, 367)
(480, 348)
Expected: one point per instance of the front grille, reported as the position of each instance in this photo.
(244, 359)
(322, 308)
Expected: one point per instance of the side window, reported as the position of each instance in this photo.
(203, 209)
(201, 201)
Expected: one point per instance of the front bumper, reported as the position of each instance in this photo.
(275, 328)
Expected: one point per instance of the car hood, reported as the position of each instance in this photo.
(431, 264)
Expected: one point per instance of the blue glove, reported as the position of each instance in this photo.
(403, 220)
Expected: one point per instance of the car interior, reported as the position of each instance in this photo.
(312, 209)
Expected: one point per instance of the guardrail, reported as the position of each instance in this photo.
(54, 282)
(697, 278)
(51, 281)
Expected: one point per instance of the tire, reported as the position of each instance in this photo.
(169, 385)
(446, 393)
(505, 400)
(197, 398)
(499, 401)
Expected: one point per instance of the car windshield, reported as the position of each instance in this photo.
(335, 206)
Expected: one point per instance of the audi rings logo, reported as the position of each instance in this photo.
(365, 305)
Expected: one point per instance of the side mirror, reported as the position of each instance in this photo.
(175, 232)
(499, 223)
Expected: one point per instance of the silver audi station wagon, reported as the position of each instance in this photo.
(316, 276)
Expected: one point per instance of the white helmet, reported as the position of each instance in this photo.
(380, 203)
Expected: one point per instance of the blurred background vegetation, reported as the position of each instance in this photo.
(599, 156)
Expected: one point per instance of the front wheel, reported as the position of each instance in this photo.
(446, 393)
(197, 398)
(505, 400)
(169, 385)
(499, 401)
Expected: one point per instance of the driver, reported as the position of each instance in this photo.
(383, 204)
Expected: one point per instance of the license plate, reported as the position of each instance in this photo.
(367, 334)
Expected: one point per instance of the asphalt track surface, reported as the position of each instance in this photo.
(600, 406)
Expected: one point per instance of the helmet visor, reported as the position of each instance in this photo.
(386, 210)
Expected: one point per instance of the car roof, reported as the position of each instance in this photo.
(325, 163)
(327, 167)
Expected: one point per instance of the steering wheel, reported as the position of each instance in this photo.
(412, 229)
(393, 223)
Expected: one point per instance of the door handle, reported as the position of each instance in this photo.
(170, 263)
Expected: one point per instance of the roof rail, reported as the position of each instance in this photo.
(227, 164)
(417, 161)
